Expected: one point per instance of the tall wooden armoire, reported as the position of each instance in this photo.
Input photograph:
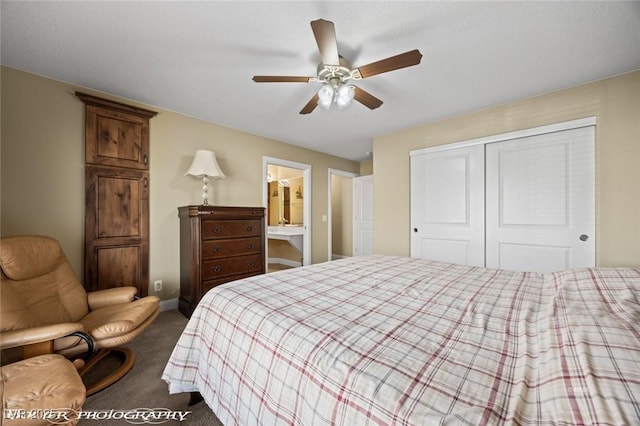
(116, 195)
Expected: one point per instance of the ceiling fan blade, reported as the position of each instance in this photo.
(402, 60)
(366, 98)
(311, 105)
(325, 34)
(280, 79)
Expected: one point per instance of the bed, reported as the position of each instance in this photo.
(381, 340)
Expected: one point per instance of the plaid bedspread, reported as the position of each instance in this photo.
(400, 341)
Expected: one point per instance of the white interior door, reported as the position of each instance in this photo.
(363, 215)
(447, 205)
(540, 202)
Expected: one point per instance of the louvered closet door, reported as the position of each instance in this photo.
(540, 206)
(447, 205)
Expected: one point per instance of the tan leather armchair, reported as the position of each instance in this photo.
(44, 308)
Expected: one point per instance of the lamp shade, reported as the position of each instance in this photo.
(204, 164)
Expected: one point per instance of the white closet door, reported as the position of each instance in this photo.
(540, 206)
(447, 205)
(363, 215)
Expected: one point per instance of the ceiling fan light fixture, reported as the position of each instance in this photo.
(345, 95)
(325, 96)
(334, 72)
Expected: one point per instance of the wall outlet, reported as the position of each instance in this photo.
(157, 285)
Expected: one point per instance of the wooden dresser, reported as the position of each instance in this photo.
(218, 245)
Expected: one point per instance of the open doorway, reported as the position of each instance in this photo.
(350, 214)
(287, 198)
(340, 220)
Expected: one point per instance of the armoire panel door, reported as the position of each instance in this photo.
(447, 205)
(116, 194)
(116, 228)
(116, 135)
(118, 264)
(541, 202)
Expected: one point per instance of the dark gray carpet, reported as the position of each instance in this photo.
(143, 387)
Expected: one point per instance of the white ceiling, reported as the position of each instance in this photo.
(197, 58)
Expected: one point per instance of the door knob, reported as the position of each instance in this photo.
(415, 229)
(584, 237)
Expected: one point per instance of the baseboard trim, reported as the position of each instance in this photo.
(286, 262)
(168, 305)
(338, 256)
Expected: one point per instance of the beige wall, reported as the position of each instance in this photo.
(366, 168)
(296, 210)
(42, 176)
(615, 102)
(341, 215)
(273, 211)
(281, 249)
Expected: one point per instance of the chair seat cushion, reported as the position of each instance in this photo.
(39, 383)
(118, 320)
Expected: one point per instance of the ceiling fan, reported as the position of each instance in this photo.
(335, 72)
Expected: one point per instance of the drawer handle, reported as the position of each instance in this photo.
(216, 229)
(217, 268)
(250, 245)
(250, 228)
(216, 249)
(250, 264)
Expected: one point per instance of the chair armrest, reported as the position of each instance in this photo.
(110, 296)
(30, 336)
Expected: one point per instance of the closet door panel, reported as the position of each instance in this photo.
(362, 215)
(447, 205)
(540, 202)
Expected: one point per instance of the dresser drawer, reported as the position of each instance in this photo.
(212, 229)
(218, 268)
(208, 285)
(221, 248)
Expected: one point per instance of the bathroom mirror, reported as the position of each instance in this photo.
(287, 197)
(285, 201)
